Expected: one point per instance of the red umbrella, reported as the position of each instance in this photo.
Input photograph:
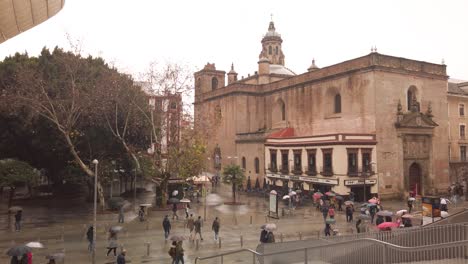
(386, 225)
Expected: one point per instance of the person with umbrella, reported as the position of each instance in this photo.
(187, 207)
(410, 204)
(17, 251)
(263, 234)
(340, 202)
(121, 214)
(327, 229)
(166, 226)
(89, 236)
(174, 211)
(112, 243)
(198, 224)
(18, 217)
(215, 227)
(179, 253)
(190, 225)
(349, 213)
(331, 212)
(324, 211)
(372, 212)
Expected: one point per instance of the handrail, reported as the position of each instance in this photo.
(401, 248)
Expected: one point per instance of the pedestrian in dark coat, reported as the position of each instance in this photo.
(263, 236)
(340, 204)
(379, 220)
(121, 257)
(324, 212)
(14, 260)
(198, 224)
(174, 212)
(349, 214)
(121, 214)
(215, 227)
(90, 237)
(327, 229)
(358, 223)
(166, 226)
(18, 218)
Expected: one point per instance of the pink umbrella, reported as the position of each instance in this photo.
(329, 193)
(386, 225)
(317, 195)
(373, 200)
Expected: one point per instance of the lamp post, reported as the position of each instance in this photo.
(112, 179)
(134, 189)
(95, 162)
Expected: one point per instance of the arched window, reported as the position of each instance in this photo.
(276, 50)
(337, 104)
(257, 165)
(411, 95)
(214, 83)
(283, 111)
(243, 163)
(269, 50)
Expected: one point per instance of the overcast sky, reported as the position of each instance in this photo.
(133, 33)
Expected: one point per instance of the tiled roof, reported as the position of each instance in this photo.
(283, 133)
(454, 88)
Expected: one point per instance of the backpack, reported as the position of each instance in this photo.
(172, 252)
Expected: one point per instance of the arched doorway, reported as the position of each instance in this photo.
(415, 178)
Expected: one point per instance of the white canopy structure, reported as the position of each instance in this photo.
(17, 16)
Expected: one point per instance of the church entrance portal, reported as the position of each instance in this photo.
(415, 178)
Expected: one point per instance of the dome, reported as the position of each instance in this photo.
(272, 31)
(280, 69)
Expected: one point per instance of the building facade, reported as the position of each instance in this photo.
(376, 123)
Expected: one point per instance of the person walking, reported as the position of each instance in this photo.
(349, 213)
(410, 204)
(198, 225)
(179, 253)
(172, 251)
(187, 207)
(372, 212)
(190, 226)
(327, 229)
(166, 226)
(215, 227)
(340, 204)
(14, 260)
(18, 218)
(121, 214)
(89, 236)
(358, 223)
(112, 243)
(331, 212)
(270, 237)
(121, 257)
(324, 211)
(263, 235)
(141, 213)
(174, 212)
(443, 204)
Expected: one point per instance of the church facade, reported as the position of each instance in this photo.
(373, 124)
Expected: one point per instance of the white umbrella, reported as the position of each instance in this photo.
(411, 199)
(286, 197)
(270, 227)
(401, 212)
(185, 200)
(174, 193)
(292, 193)
(444, 214)
(35, 245)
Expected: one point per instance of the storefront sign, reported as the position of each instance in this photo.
(305, 179)
(359, 182)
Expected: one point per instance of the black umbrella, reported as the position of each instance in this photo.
(18, 250)
(174, 200)
(249, 183)
(257, 184)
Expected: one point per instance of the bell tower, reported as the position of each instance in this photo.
(208, 79)
(271, 46)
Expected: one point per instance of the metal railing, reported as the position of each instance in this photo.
(365, 251)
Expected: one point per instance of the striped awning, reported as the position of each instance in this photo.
(17, 16)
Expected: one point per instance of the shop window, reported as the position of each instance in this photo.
(257, 165)
(243, 163)
(273, 167)
(297, 162)
(352, 162)
(284, 161)
(327, 169)
(311, 163)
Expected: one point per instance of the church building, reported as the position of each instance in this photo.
(373, 124)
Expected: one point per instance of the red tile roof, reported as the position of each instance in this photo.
(283, 133)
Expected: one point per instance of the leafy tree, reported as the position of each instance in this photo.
(234, 175)
(14, 173)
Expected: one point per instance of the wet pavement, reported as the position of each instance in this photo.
(61, 226)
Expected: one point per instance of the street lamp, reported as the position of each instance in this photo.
(95, 162)
(134, 189)
(112, 178)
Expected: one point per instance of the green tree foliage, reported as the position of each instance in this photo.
(234, 175)
(14, 173)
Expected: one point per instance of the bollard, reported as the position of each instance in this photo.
(281, 237)
(242, 241)
(219, 242)
(300, 236)
(148, 244)
(196, 245)
(250, 219)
